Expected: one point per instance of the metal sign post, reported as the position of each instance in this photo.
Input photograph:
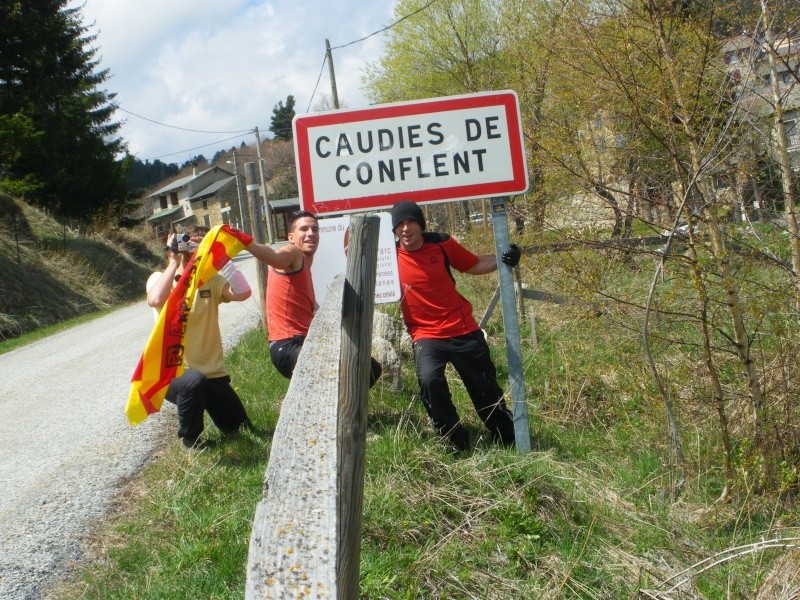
(426, 151)
(516, 375)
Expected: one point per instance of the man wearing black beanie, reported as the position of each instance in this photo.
(442, 327)
(406, 209)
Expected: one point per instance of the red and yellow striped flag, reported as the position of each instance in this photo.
(162, 359)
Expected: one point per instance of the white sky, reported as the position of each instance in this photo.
(222, 66)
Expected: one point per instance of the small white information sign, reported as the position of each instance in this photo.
(330, 259)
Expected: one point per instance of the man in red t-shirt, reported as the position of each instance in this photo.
(290, 292)
(442, 328)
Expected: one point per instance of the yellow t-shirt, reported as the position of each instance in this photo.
(203, 342)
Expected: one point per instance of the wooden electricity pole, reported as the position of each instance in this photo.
(334, 93)
(267, 210)
(258, 236)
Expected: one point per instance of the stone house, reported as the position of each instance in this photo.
(749, 68)
(209, 197)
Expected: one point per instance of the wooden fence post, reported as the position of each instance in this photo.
(305, 541)
(294, 540)
(354, 371)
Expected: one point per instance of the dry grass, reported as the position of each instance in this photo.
(51, 273)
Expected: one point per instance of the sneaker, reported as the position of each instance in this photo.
(195, 445)
(459, 438)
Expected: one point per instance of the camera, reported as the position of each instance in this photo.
(182, 242)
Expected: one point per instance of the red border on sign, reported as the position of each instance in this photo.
(518, 184)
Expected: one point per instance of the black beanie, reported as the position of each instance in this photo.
(405, 209)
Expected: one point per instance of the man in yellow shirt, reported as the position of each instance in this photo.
(205, 385)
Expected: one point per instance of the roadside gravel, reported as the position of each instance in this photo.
(66, 448)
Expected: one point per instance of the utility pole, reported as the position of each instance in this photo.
(258, 236)
(239, 194)
(334, 94)
(267, 210)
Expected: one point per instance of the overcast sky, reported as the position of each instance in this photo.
(220, 67)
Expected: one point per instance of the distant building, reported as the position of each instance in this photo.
(207, 198)
(281, 214)
(211, 198)
(747, 63)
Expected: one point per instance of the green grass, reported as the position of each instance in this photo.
(193, 511)
(582, 516)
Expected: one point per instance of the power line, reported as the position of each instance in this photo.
(240, 131)
(366, 37)
(197, 147)
(316, 85)
(313, 93)
(419, 10)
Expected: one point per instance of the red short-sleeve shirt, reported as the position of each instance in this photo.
(432, 306)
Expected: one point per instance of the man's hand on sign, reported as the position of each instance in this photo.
(511, 256)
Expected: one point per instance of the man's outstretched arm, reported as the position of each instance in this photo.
(285, 258)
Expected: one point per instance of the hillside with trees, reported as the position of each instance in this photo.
(58, 139)
(53, 271)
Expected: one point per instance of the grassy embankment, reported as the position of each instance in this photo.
(587, 514)
(53, 277)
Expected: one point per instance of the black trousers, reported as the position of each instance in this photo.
(284, 353)
(469, 355)
(193, 393)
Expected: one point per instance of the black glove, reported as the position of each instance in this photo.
(511, 256)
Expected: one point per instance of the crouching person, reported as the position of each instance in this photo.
(442, 328)
(205, 385)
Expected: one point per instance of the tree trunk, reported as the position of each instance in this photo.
(700, 182)
(708, 355)
(614, 205)
(781, 149)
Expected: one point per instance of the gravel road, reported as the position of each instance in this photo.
(66, 448)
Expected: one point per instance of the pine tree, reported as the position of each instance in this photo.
(281, 123)
(49, 79)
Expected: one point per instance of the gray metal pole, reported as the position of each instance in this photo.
(516, 374)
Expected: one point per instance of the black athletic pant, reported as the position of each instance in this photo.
(469, 354)
(284, 353)
(193, 393)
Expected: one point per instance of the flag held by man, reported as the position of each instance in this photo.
(163, 356)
